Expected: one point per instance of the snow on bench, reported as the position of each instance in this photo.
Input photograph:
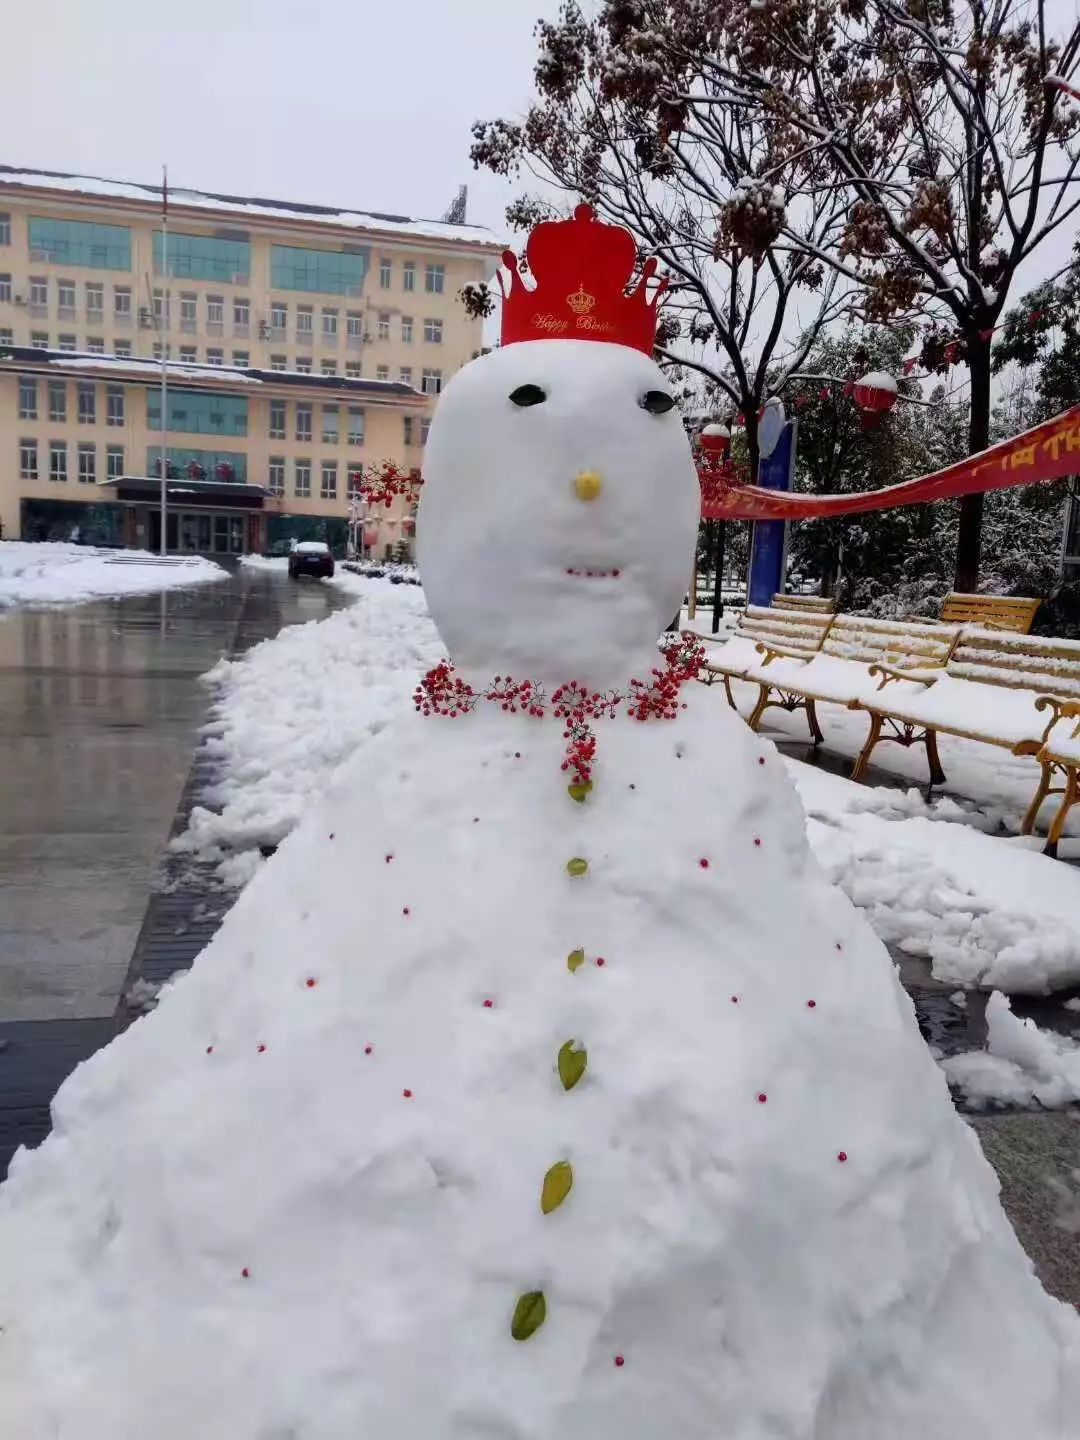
(796, 631)
(1060, 757)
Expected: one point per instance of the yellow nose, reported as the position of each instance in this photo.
(588, 485)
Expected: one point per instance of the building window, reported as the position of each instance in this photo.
(408, 276)
(382, 372)
(241, 358)
(87, 464)
(434, 279)
(5, 289)
(384, 325)
(77, 242)
(354, 326)
(328, 486)
(305, 322)
(6, 335)
(303, 365)
(354, 478)
(330, 433)
(277, 419)
(215, 314)
(122, 347)
(95, 345)
(87, 393)
(114, 405)
(65, 298)
(279, 319)
(189, 354)
(57, 459)
(329, 324)
(353, 369)
(425, 429)
(302, 478)
(39, 296)
(432, 382)
(433, 332)
(58, 402)
(95, 302)
(5, 229)
(205, 257)
(229, 467)
(328, 367)
(279, 362)
(356, 425)
(27, 397)
(28, 460)
(407, 424)
(39, 340)
(276, 475)
(189, 312)
(320, 272)
(214, 356)
(405, 374)
(114, 461)
(303, 422)
(122, 305)
(406, 329)
(67, 343)
(157, 350)
(241, 317)
(386, 271)
(199, 412)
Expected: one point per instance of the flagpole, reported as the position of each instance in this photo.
(163, 333)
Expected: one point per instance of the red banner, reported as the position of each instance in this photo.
(1049, 452)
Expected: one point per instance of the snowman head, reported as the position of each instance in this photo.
(560, 504)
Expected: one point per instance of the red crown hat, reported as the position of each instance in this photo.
(582, 268)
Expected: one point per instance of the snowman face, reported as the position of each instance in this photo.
(559, 513)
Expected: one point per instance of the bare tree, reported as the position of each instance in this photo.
(940, 126)
(700, 187)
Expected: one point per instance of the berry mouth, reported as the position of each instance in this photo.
(596, 574)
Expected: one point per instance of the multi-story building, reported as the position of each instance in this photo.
(301, 343)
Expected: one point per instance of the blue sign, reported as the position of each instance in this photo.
(768, 544)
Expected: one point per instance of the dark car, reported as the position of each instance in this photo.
(311, 557)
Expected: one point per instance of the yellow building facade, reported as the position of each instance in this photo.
(302, 343)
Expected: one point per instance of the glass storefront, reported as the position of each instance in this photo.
(66, 520)
(198, 532)
(281, 530)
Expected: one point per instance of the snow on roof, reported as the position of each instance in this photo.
(151, 367)
(254, 207)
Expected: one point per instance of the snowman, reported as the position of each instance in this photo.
(611, 1118)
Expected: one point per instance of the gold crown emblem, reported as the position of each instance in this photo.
(580, 301)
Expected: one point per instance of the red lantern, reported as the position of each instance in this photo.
(715, 442)
(371, 536)
(875, 395)
(408, 526)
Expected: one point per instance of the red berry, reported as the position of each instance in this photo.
(839, 946)
(615, 573)
(703, 863)
(619, 1361)
(600, 960)
(734, 999)
(476, 819)
(331, 834)
(842, 1156)
(633, 787)
(811, 1004)
(488, 1004)
(368, 1049)
(761, 759)
(407, 1094)
(405, 909)
(209, 1049)
(517, 754)
(260, 1048)
(757, 839)
(389, 858)
(762, 1098)
(245, 1272)
(311, 982)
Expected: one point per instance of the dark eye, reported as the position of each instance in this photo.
(528, 395)
(657, 402)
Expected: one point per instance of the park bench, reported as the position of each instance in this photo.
(1060, 756)
(996, 688)
(796, 630)
(990, 612)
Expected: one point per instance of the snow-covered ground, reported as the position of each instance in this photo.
(985, 909)
(58, 573)
(1022, 1065)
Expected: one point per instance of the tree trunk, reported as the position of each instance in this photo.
(969, 539)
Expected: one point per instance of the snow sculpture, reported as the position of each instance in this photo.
(540, 1085)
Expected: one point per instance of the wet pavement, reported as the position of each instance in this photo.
(100, 708)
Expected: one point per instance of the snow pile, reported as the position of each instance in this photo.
(985, 910)
(59, 573)
(293, 708)
(1022, 1065)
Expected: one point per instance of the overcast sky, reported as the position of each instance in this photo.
(360, 103)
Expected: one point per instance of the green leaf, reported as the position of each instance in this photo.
(573, 1059)
(575, 960)
(579, 790)
(530, 1312)
(576, 866)
(558, 1182)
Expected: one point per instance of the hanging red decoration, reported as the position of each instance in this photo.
(875, 395)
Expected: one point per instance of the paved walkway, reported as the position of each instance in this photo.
(100, 709)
